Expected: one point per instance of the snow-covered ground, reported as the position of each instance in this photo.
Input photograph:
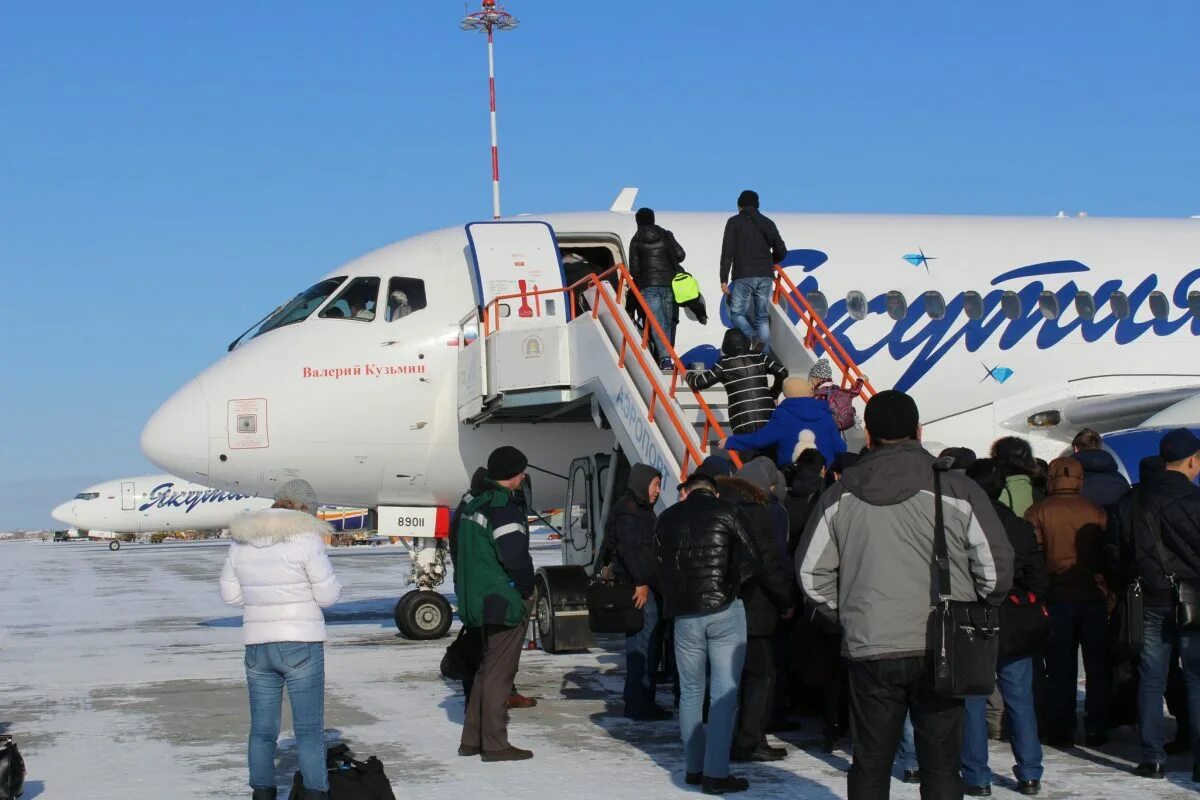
(121, 677)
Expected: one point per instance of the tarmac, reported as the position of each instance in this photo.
(121, 676)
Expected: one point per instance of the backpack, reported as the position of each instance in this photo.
(685, 287)
(841, 403)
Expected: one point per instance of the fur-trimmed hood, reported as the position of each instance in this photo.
(273, 525)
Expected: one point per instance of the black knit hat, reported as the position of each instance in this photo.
(506, 462)
(644, 217)
(748, 199)
(891, 416)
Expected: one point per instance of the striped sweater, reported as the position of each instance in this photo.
(746, 376)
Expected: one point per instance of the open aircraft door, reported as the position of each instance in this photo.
(518, 258)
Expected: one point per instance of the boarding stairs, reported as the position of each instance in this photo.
(598, 365)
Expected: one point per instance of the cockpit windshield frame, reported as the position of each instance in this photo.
(298, 309)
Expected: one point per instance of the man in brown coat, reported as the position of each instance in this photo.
(1070, 529)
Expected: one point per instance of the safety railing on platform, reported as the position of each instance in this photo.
(612, 298)
(818, 333)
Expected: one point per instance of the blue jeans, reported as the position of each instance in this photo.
(715, 640)
(642, 651)
(661, 302)
(1161, 637)
(749, 308)
(908, 747)
(1074, 626)
(1015, 678)
(301, 667)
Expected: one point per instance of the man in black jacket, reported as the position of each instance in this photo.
(705, 555)
(767, 598)
(1157, 535)
(1022, 617)
(654, 258)
(750, 250)
(630, 537)
(1103, 482)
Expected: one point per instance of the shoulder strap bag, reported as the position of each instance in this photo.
(1127, 627)
(1185, 592)
(965, 636)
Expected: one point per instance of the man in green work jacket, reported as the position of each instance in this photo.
(493, 578)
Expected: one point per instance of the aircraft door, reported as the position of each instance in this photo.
(518, 258)
(128, 499)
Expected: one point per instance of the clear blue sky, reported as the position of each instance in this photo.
(170, 172)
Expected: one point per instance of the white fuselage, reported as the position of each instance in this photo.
(366, 410)
(152, 503)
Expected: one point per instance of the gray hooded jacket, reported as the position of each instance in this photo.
(867, 553)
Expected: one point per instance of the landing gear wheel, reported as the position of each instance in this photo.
(114, 545)
(543, 611)
(422, 614)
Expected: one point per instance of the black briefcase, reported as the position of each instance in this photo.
(611, 608)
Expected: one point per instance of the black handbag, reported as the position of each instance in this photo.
(1185, 592)
(464, 655)
(1024, 625)
(350, 779)
(12, 769)
(964, 636)
(1126, 627)
(611, 608)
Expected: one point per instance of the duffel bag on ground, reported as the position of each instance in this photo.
(350, 779)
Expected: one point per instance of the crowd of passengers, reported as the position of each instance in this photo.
(794, 577)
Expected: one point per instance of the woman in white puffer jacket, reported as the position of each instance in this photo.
(278, 571)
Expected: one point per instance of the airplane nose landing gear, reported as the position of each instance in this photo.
(424, 613)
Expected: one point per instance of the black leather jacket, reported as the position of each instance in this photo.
(653, 256)
(1175, 501)
(704, 555)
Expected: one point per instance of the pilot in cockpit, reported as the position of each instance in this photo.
(398, 306)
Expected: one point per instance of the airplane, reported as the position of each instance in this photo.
(157, 503)
(392, 377)
(150, 504)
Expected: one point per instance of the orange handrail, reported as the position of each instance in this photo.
(658, 398)
(818, 330)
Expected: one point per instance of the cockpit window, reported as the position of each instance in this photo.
(405, 295)
(357, 301)
(87, 495)
(300, 306)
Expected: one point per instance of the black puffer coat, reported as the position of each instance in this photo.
(1175, 501)
(769, 593)
(704, 554)
(751, 378)
(653, 256)
(803, 495)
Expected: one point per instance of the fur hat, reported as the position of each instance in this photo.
(796, 386)
(506, 462)
(298, 492)
(748, 199)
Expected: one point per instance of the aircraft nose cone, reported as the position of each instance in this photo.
(176, 437)
(64, 513)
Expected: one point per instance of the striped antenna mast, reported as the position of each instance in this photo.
(489, 19)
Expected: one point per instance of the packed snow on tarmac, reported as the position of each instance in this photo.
(121, 677)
